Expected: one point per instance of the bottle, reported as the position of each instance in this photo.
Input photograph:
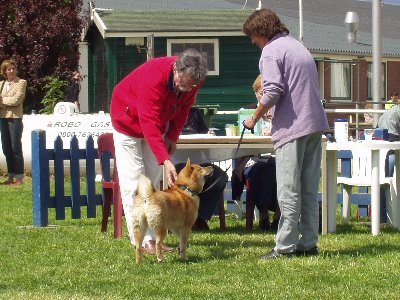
(341, 130)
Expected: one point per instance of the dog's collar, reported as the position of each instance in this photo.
(185, 188)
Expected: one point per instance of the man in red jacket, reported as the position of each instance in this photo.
(149, 108)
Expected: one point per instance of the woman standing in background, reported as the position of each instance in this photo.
(72, 92)
(12, 95)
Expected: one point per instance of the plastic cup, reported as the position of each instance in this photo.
(368, 134)
(229, 129)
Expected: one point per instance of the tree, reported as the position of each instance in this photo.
(42, 37)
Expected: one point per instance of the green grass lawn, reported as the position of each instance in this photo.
(72, 259)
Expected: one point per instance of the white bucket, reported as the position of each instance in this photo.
(341, 130)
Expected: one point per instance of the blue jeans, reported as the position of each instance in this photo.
(389, 170)
(11, 135)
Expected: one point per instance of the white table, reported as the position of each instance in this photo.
(206, 148)
(329, 184)
(203, 148)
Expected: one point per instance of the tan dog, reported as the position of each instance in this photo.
(175, 208)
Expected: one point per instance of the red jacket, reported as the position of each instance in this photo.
(143, 105)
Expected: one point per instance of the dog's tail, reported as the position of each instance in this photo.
(144, 189)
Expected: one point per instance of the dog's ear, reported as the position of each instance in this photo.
(188, 163)
(187, 169)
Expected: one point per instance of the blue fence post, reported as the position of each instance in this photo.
(75, 179)
(40, 179)
(90, 176)
(59, 178)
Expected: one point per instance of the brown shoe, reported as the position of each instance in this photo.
(166, 248)
(149, 247)
(8, 181)
(11, 181)
(17, 182)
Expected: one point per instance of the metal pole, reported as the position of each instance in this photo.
(150, 47)
(301, 21)
(376, 57)
(358, 97)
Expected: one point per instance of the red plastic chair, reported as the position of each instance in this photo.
(111, 192)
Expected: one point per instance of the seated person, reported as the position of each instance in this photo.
(390, 120)
(368, 117)
(215, 184)
(394, 99)
(260, 174)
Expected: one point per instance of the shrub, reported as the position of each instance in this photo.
(54, 93)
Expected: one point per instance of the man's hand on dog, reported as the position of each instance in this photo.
(171, 172)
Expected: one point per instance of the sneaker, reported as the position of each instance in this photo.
(274, 255)
(310, 252)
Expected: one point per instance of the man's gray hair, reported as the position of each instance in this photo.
(192, 64)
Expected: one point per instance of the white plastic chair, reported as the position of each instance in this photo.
(361, 176)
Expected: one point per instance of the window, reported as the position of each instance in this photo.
(340, 81)
(208, 47)
(370, 81)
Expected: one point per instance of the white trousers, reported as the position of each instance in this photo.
(134, 157)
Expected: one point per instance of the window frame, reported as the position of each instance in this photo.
(213, 41)
(370, 92)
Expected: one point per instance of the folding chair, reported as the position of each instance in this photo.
(361, 176)
(111, 192)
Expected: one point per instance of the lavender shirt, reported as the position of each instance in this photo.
(290, 83)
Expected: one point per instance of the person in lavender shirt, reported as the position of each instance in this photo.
(290, 84)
